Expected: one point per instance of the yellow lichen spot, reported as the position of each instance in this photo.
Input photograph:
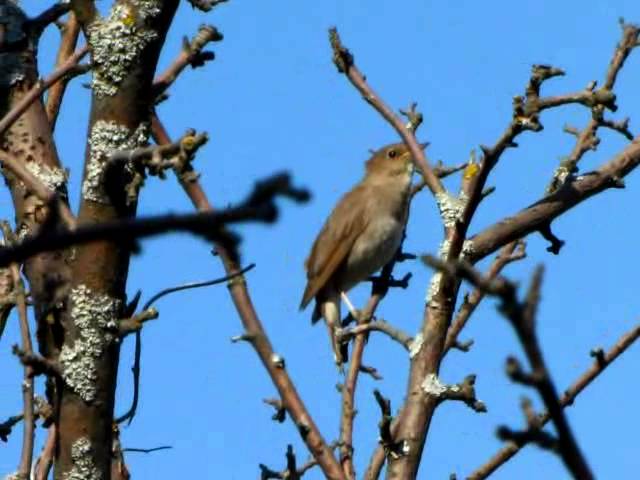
(129, 18)
(471, 170)
(188, 142)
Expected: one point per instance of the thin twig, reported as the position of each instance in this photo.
(343, 59)
(567, 399)
(70, 33)
(192, 54)
(509, 253)
(259, 206)
(522, 318)
(45, 460)
(26, 457)
(259, 340)
(69, 67)
(135, 369)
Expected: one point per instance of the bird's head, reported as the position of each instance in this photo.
(393, 160)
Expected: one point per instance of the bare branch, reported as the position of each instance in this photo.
(343, 59)
(135, 369)
(70, 33)
(522, 319)
(45, 460)
(378, 325)
(192, 54)
(68, 69)
(509, 253)
(26, 456)
(567, 399)
(296, 409)
(259, 206)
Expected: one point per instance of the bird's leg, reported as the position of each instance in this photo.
(352, 310)
(331, 315)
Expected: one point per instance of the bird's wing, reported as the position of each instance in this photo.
(334, 242)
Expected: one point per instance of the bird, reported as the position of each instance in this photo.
(361, 235)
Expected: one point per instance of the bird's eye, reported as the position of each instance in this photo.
(392, 153)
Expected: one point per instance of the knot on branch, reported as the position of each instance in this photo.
(39, 364)
(342, 57)
(463, 392)
(413, 116)
(525, 117)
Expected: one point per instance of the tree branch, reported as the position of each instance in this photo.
(522, 319)
(258, 338)
(343, 59)
(567, 399)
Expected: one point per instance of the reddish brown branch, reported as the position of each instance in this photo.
(69, 68)
(567, 399)
(343, 59)
(259, 340)
(70, 33)
(40, 190)
(192, 54)
(26, 456)
(349, 389)
(545, 210)
(522, 319)
(45, 461)
(509, 253)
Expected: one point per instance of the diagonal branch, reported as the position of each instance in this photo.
(257, 337)
(567, 399)
(68, 69)
(259, 206)
(522, 319)
(343, 59)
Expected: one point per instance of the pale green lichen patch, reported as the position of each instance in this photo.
(416, 345)
(53, 178)
(451, 208)
(84, 468)
(433, 386)
(117, 42)
(105, 139)
(94, 315)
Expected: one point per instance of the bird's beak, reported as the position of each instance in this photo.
(424, 145)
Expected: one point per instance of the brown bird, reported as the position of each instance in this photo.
(361, 235)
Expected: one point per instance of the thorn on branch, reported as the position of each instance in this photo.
(245, 337)
(463, 346)
(281, 413)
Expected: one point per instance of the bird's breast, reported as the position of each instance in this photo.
(374, 248)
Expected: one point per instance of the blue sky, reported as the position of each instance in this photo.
(273, 101)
